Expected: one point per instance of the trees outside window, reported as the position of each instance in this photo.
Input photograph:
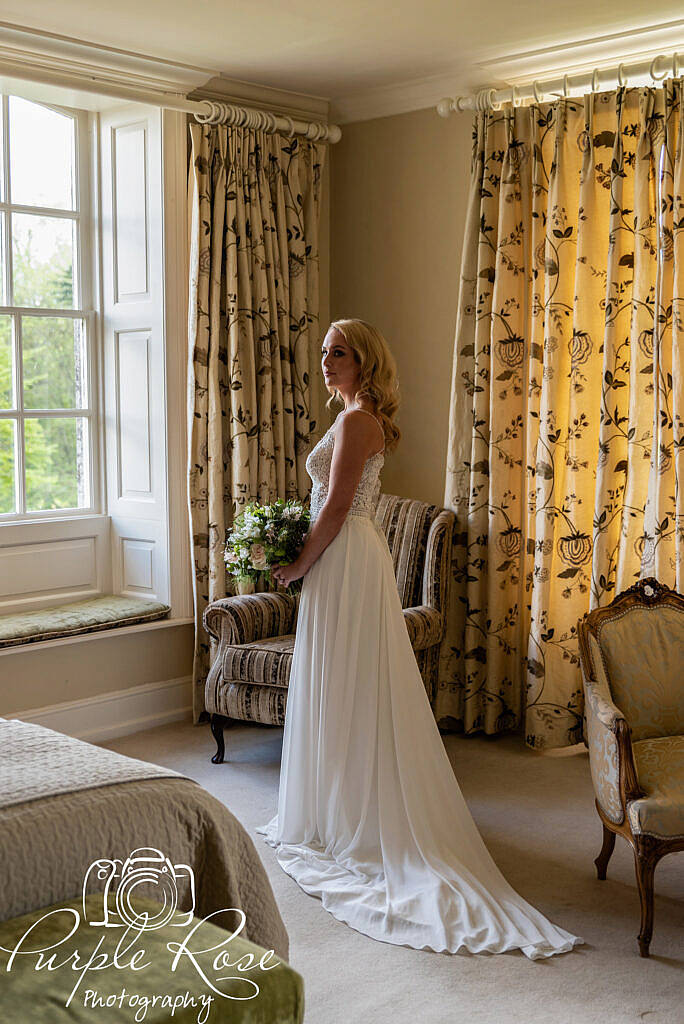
(46, 407)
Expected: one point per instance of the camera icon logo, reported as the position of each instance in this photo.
(145, 874)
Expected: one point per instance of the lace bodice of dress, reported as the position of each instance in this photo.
(318, 463)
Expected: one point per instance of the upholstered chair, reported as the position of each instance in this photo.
(255, 633)
(632, 653)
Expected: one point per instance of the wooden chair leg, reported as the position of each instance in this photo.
(645, 860)
(606, 853)
(217, 725)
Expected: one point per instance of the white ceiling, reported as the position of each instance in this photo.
(347, 47)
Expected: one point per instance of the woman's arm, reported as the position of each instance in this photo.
(355, 439)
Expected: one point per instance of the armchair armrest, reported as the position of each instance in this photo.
(599, 699)
(611, 759)
(248, 617)
(425, 626)
(437, 561)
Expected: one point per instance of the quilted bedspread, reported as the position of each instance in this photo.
(65, 804)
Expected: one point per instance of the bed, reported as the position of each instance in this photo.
(66, 804)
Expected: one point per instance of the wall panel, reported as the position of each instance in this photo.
(48, 563)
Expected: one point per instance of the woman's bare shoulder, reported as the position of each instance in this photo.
(359, 426)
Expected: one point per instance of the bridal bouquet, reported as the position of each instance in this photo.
(263, 535)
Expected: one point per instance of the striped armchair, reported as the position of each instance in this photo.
(256, 632)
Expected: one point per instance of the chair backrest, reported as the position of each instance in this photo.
(641, 641)
(406, 524)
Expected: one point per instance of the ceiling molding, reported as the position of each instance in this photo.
(400, 98)
(21, 64)
(599, 50)
(263, 97)
(48, 59)
(500, 70)
(22, 48)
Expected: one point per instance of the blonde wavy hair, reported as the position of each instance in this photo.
(378, 382)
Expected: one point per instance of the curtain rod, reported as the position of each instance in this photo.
(589, 81)
(219, 112)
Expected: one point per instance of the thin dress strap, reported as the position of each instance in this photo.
(378, 423)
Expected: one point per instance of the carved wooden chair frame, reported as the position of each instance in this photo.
(648, 850)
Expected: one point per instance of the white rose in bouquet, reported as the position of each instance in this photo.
(257, 554)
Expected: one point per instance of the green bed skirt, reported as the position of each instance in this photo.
(170, 973)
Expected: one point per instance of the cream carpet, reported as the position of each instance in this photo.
(537, 816)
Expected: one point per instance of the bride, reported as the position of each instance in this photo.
(370, 816)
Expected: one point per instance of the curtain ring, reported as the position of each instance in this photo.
(676, 70)
(514, 91)
(652, 73)
(566, 86)
(595, 84)
(538, 95)
(621, 76)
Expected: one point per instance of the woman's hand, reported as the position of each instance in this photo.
(286, 574)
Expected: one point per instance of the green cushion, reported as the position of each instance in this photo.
(106, 612)
(40, 995)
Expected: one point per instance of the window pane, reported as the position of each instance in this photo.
(6, 360)
(3, 269)
(42, 162)
(7, 492)
(43, 261)
(57, 465)
(54, 365)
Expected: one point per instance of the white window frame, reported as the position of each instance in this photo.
(53, 557)
(86, 274)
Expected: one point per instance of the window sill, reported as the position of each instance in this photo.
(141, 627)
(52, 518)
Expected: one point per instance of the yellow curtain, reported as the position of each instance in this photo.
(254, 374)
(566, 435)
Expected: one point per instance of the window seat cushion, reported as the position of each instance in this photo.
(107, 612)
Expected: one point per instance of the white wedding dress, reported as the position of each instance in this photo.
(370, 816)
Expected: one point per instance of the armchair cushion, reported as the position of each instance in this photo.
(642, 651)
(266, 662)
(660, 770)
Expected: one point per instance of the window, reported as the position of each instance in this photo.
(93, 320)
(47, 409)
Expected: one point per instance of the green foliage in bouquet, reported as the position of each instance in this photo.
(265, 535)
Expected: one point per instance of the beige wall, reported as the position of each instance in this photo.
(398, 200)
(324, 315)
(35, 677)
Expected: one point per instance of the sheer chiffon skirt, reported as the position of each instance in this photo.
(370, 817)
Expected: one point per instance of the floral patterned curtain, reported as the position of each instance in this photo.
(566, 439)
(253, 391)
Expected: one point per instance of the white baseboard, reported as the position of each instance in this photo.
(109, 715)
